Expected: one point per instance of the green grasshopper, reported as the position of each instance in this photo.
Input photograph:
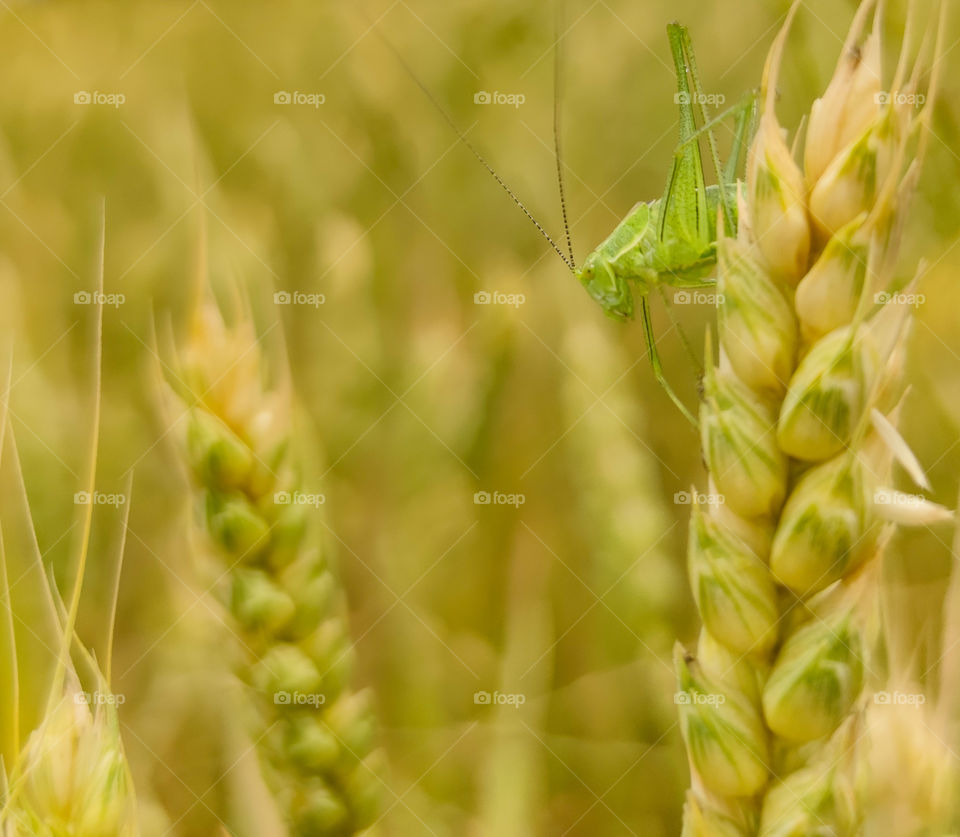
(667, 242)
(671, 241)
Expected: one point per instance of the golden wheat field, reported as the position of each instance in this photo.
(332, 503)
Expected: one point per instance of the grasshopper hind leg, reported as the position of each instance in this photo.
(655, 362)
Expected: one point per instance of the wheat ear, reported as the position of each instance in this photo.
(314, 735)
(63, 768)
(798, 432)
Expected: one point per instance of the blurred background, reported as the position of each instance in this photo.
(452, 353)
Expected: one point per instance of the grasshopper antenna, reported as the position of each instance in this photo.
(557, 80)
(462, 137)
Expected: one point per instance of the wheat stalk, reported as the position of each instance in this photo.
(314, 735)
(798, 432)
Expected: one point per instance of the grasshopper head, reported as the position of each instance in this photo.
(606, 287)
